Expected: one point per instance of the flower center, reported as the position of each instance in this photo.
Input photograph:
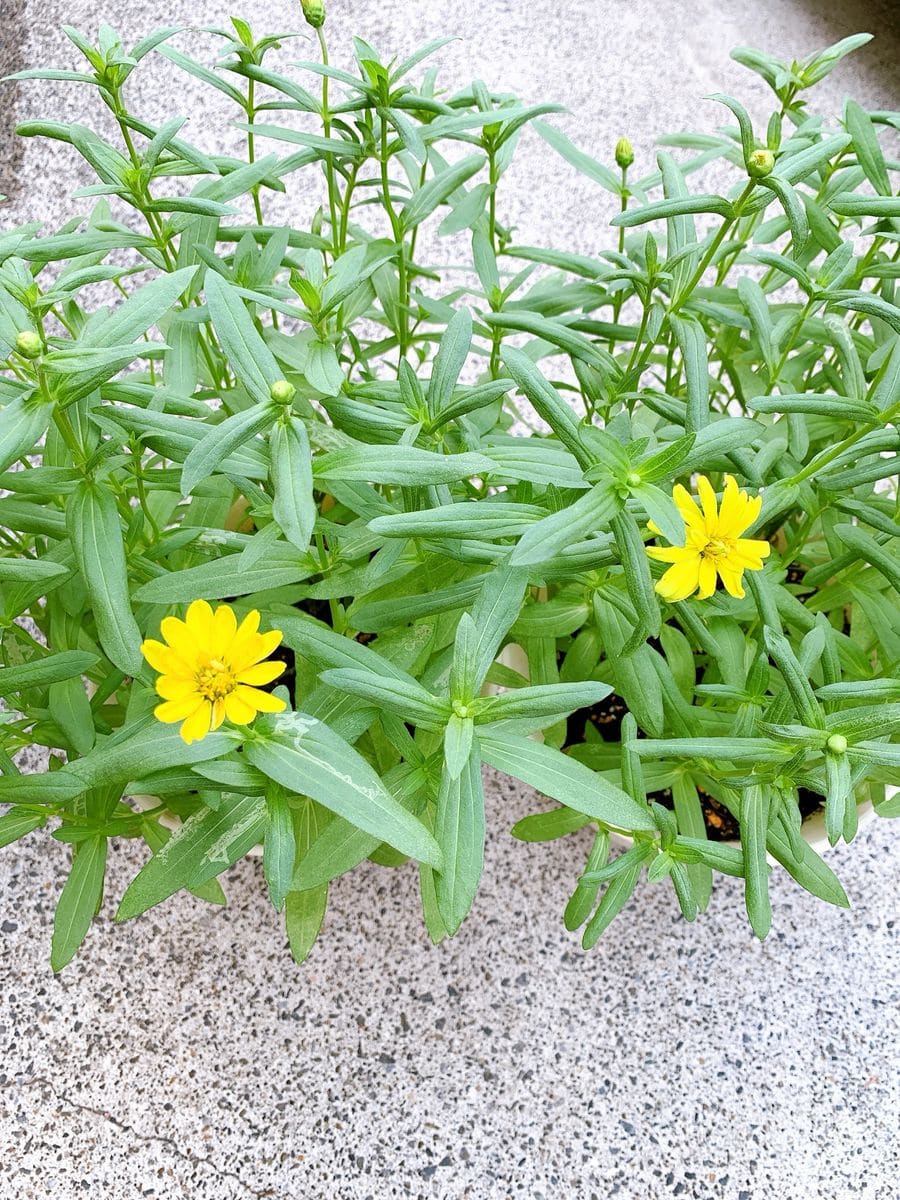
(718, 547)
(215, 681)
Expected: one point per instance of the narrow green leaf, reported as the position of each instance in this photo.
(564, 779)
(309, 759)
(754, 824)
(205, 846)
(279, 847)
(663, 209)
(459, 831)
(253, 362)
(78, 900)
(96, 534)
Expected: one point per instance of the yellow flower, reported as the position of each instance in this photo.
(714, 546)
(211, 668)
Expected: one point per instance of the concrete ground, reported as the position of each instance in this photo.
(185, 1056)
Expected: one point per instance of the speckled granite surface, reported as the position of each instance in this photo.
(184, 1055)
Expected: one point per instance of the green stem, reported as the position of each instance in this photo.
(329, 159)
(397, 230)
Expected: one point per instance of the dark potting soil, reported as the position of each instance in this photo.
(321, 610)
(721, 825)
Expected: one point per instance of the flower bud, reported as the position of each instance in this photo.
(29, 344)
(282, 392)
(837, 743)
(314, 11)
(760, 164)
(624, 153)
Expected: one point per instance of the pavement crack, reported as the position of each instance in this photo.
(194, 1160)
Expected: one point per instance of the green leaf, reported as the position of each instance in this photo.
(748, 142)
(78, 900)
(664, 209)
(754, 824)
(398, 464)
(205, 846)
(253, 362)
(794, 210)
(691, 340)
(96, 533)
(541, 700)
(308, 758)
(584, 897)
(219, 579)
(404, 696)
(548, 826)
(564, 779)
(436, 191)
(618, 893)
(638, 580)
(713, 749)
(865, 143)
(223, 439)
(32, 570)
(484, 519)
(493, 614)
(304, 913)
(17, 823)
(279, 847)
(23, 422)
(809, 870)
(143, 309)
(41, 672)
(459, 831)
(582, 162)
(293, 505)
(136, 749)
(573, 343)
(449, 360)
(590, 514)
(871, 551)
(304, 909)
(458, 737)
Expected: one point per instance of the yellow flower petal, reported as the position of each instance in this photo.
(670, 554)
(224, 629)
(181, 639)
(197, 725)
(209, 668)
(177, 710)
(749, 553)
(731, 577)
(244, 653)
(238, 711)
(708, 500)
(261, 673)
(685, 504)
(249, 625)
(160, 657)
(261, 701)
(200, 620)
(681, 580)
(176, 687)
(706, 578)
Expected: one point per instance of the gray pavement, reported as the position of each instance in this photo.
(183, 1055)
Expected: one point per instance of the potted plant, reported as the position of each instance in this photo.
(300, 530)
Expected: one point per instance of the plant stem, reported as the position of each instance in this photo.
(329, 160)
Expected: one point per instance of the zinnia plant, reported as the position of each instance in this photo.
(302, 529)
